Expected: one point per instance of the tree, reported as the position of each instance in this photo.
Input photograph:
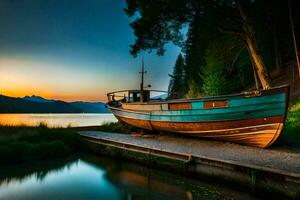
(161, 22)
(194, 48)
(176, 85)
(223, 72)
(273, 32)
(248, 36)
(294, 36)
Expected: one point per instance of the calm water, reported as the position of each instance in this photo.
(56, 120)
(100, 178)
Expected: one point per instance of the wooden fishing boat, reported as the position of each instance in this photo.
(253, 118)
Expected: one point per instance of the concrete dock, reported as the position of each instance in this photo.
(274, 169)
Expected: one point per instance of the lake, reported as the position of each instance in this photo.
(91, 177)
(57, 120)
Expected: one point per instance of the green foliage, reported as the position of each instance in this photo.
(177, 84)
(117, 127)
(213, 76)
(291, 130)
(224, 67)
(243, 71)
(36, 143)
(53, 149)
(194, 89)
(160, 22)
(195, 47)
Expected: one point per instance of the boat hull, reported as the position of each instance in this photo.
(245, 132)
(252, 120)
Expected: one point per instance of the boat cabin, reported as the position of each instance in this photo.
(129, 96)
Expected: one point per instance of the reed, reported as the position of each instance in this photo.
(24, 143)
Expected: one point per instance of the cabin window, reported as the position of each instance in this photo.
(216, 104)
(180, 106)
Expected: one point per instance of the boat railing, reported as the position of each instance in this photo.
(129, 96)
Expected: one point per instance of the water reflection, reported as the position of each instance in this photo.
(137, 185)
(73, 180)
(100, 178)
(56, 120)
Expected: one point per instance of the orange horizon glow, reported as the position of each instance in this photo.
(24, 77)
(56, 97)
(58, 79)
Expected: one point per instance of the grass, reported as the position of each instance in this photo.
(117, 127)
(291, 130)
(22, 143)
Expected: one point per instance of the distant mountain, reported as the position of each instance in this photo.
(20, 105)
(91, 107)
(37, 99)
(87, 107)
(36, 104)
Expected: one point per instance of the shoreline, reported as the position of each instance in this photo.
(250, 167)
(188, 166)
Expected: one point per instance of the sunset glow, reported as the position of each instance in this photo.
(66, 57)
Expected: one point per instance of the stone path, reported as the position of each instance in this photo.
(268, 158)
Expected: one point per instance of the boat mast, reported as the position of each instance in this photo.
(142, 82)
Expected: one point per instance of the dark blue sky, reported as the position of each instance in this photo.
(72, 50)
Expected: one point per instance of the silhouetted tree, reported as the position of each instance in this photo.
(194, 48)
(161, 22)
(176, 86)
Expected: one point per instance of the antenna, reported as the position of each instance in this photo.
(142, 77)
(142, 81)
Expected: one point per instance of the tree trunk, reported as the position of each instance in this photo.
(294, 37)
(252, 49)
(258, 64)
(277, 52)
(254, 73)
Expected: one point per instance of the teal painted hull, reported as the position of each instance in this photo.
(255, 120)
(239, 108)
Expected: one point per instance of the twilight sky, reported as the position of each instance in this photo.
(72, 50)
